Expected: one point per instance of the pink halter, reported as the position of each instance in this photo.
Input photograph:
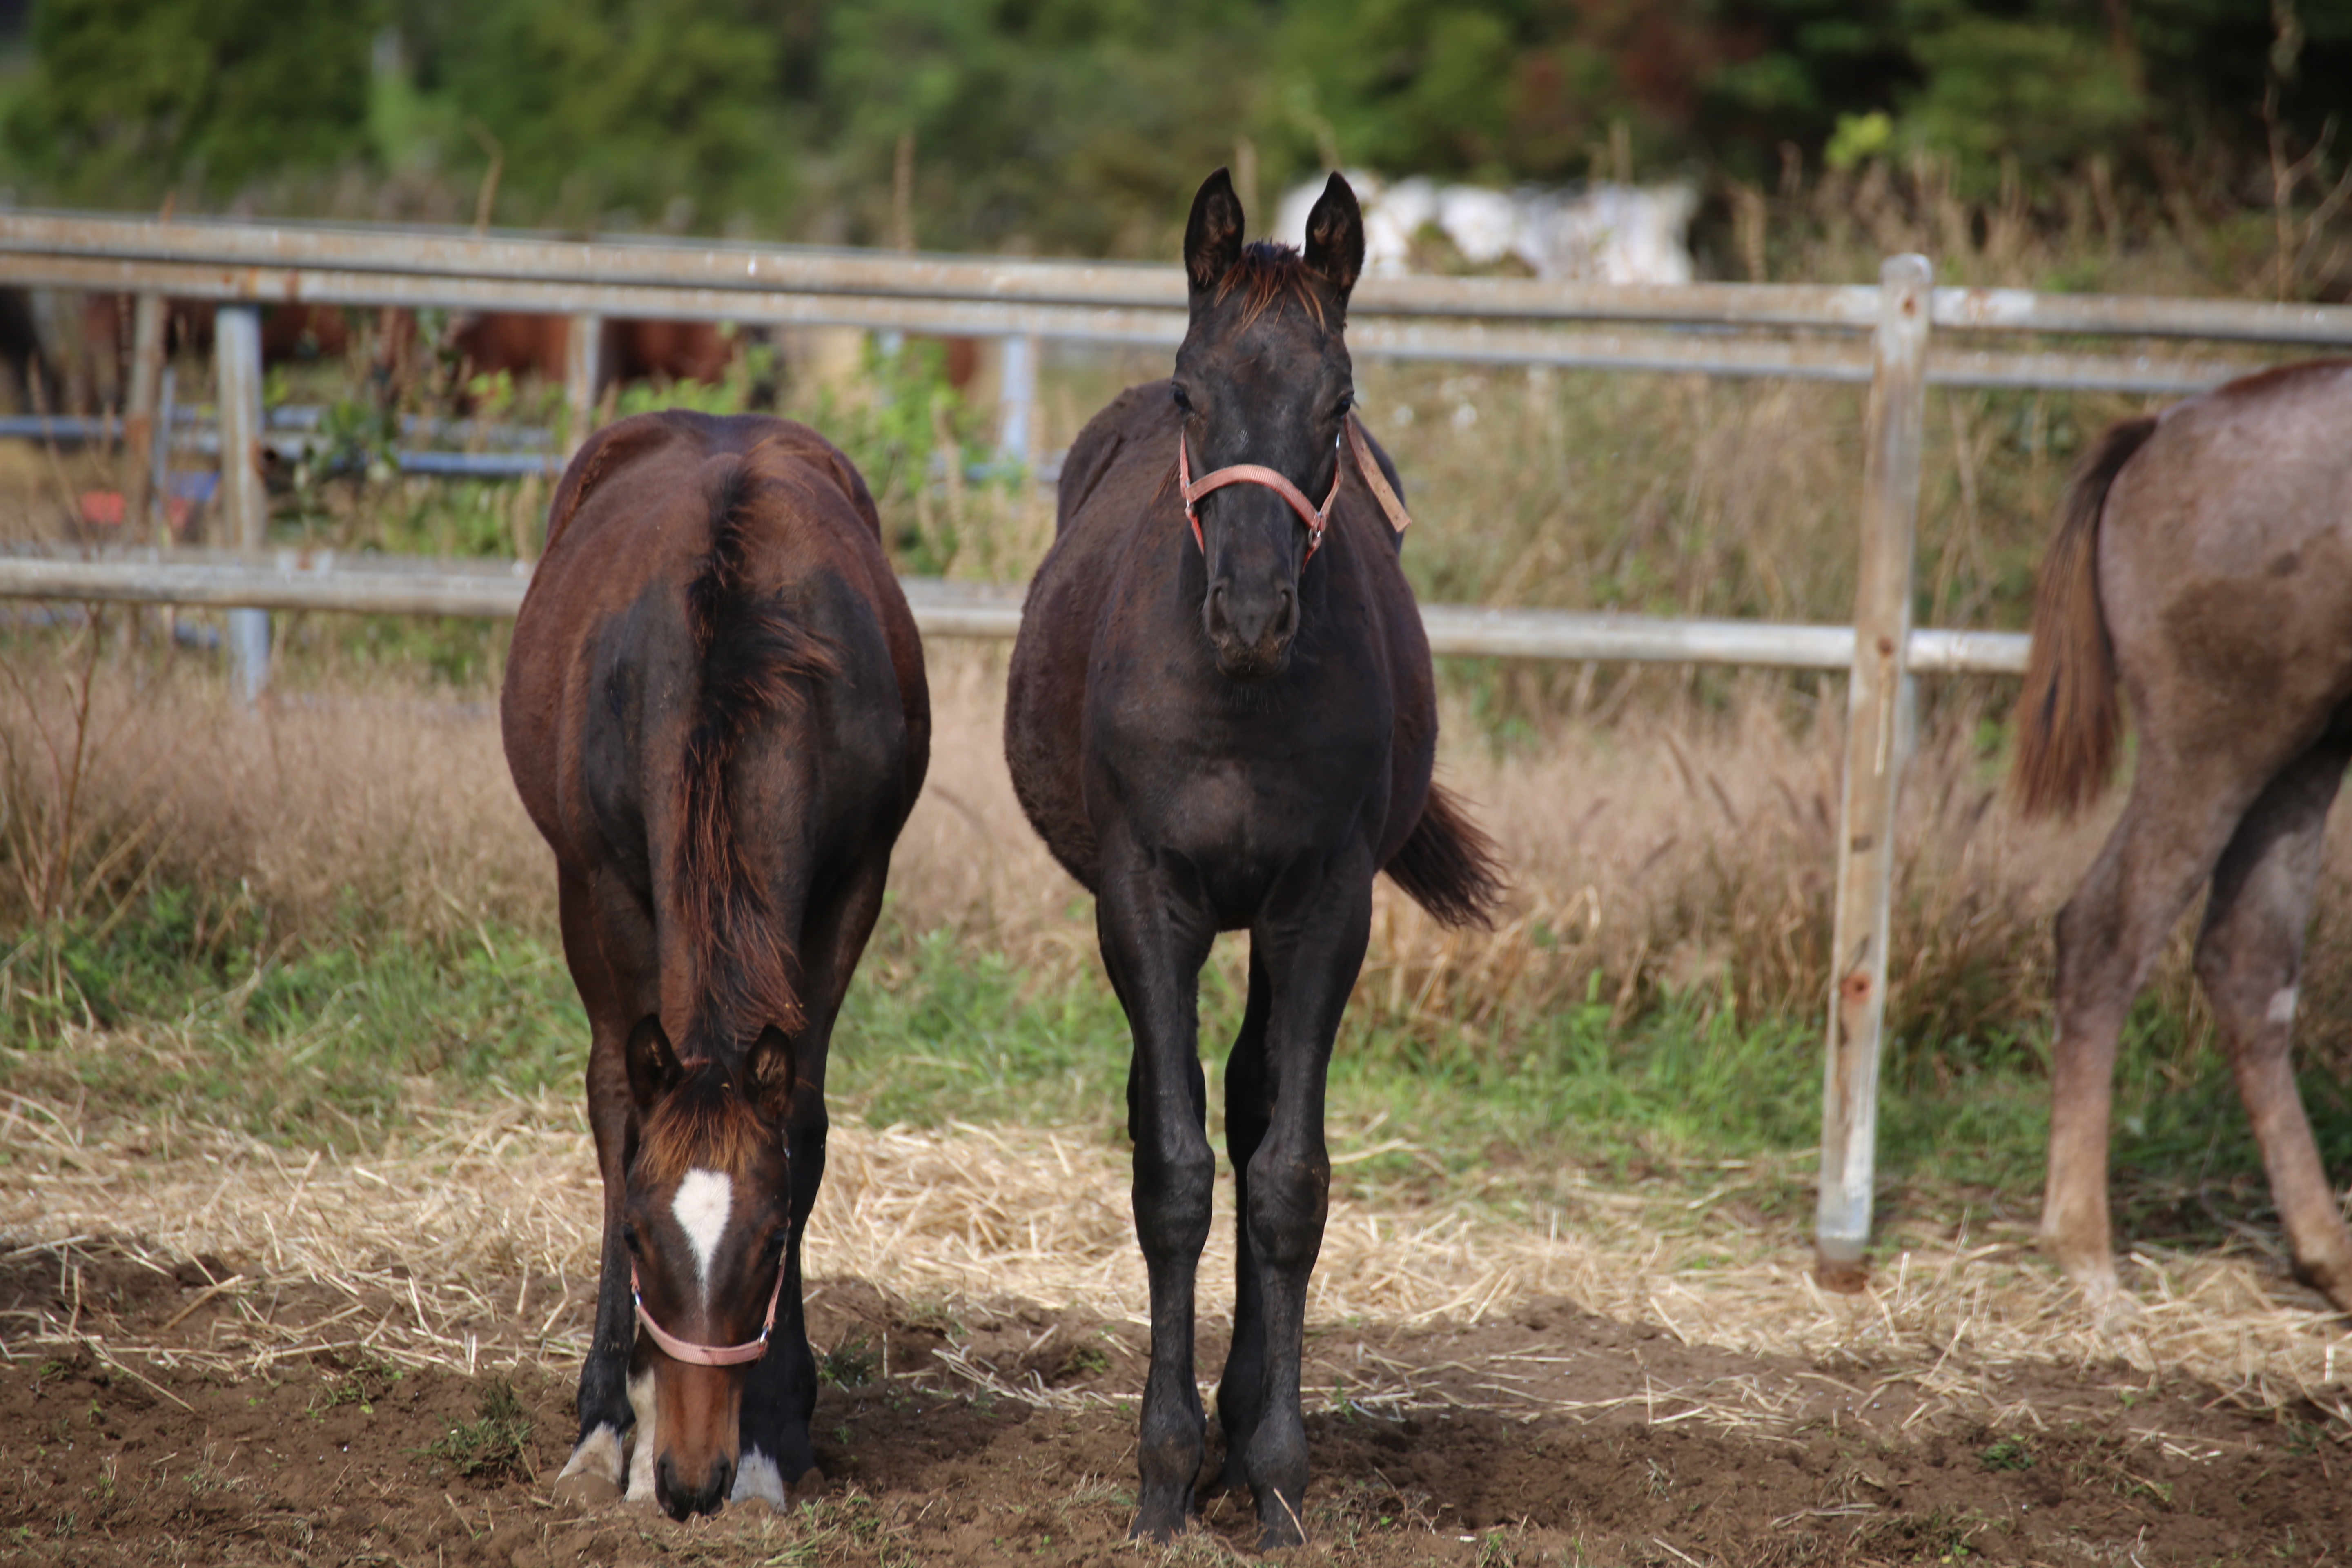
(1315, 518)
(707, 1355)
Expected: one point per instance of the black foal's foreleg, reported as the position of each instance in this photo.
(1314, 947)
(1154, 954)
(1241, 1392)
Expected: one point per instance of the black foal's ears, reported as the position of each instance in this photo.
(1213, 235)
(653, 1068)
(768, 1075)
(1335, 237)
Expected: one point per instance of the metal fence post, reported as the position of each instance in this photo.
(237, 360)
(1017, 402)
(1876, 748)
(581, 354)
(145, 512)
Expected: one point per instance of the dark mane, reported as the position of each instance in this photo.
(704, 1122)
(750, 654)
(1267, 274)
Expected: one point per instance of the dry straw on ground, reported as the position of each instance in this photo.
(473, 1244)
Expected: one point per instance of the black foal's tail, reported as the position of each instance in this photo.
(1449, 866)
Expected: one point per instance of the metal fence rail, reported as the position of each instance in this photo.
(1883, 336)
(381, 585)
(267, 253)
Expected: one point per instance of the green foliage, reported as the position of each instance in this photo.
(2012, 1453)
(494, 1444)
(1080, 126)
(629, 103)
(750, 375)
(128, 95)
(204, 1010)
(2041, 93)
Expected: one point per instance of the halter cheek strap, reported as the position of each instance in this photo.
(1317, 519)
(707, 1355)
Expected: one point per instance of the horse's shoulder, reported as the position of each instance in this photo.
(1126, 422)
(602, 456)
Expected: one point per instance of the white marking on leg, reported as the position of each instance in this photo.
(598, 1455)
(643, 1440)
(704, 1200)
(757, 1479)
(2283, 1005)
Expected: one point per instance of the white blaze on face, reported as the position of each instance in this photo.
(703, 1202)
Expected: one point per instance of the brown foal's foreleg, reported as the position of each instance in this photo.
(613, 999)
(2183, 810)
(2249, 957)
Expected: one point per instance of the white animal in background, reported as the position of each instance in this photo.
(1602, 232)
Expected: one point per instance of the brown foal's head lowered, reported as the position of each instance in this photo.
(706, 1222)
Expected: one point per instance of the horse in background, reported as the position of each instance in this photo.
(521, 343)
(2204, 567)
(715, 712)
(1221, 715)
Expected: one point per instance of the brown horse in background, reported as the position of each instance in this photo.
(715, 713)
(1228, 724)
(2205, 564)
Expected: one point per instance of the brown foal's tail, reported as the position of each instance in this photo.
(1448, 866)
(2068, 719)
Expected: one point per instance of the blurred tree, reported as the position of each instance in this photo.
(1082, 125)
(669, 113)
(1065, 125)
(128, 97)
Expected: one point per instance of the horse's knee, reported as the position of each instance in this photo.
(1173, 1189)
(1288, 1199)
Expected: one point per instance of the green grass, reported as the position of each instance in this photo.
(188, 1011)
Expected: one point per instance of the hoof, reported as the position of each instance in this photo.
(1160, 1526)
(591, 1477)
(757, 1479)
(585, 1489)
(1278, 1524)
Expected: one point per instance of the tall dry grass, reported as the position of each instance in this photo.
(1680, 854)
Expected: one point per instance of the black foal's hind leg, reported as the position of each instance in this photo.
(1314, 941)
(1153, 945)
(2250, 959)
(1241, 1392)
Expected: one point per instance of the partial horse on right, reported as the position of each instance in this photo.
(2203, 566)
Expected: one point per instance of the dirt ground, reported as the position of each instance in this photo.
(999, 1434)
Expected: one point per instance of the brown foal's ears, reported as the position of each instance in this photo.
(1334, 237)
(1213, 235)
(768, 1076)
(653, 1068)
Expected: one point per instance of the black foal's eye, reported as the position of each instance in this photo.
(1183, 398)
(1347, 401)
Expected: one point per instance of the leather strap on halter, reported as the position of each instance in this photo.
(707, 1355)
(1317, 519)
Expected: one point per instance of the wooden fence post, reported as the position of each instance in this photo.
(145, 514)
(1876, 747)
(237, 362)
(581, 354)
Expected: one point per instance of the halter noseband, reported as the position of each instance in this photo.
(707, 1355)
(1317, 519)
